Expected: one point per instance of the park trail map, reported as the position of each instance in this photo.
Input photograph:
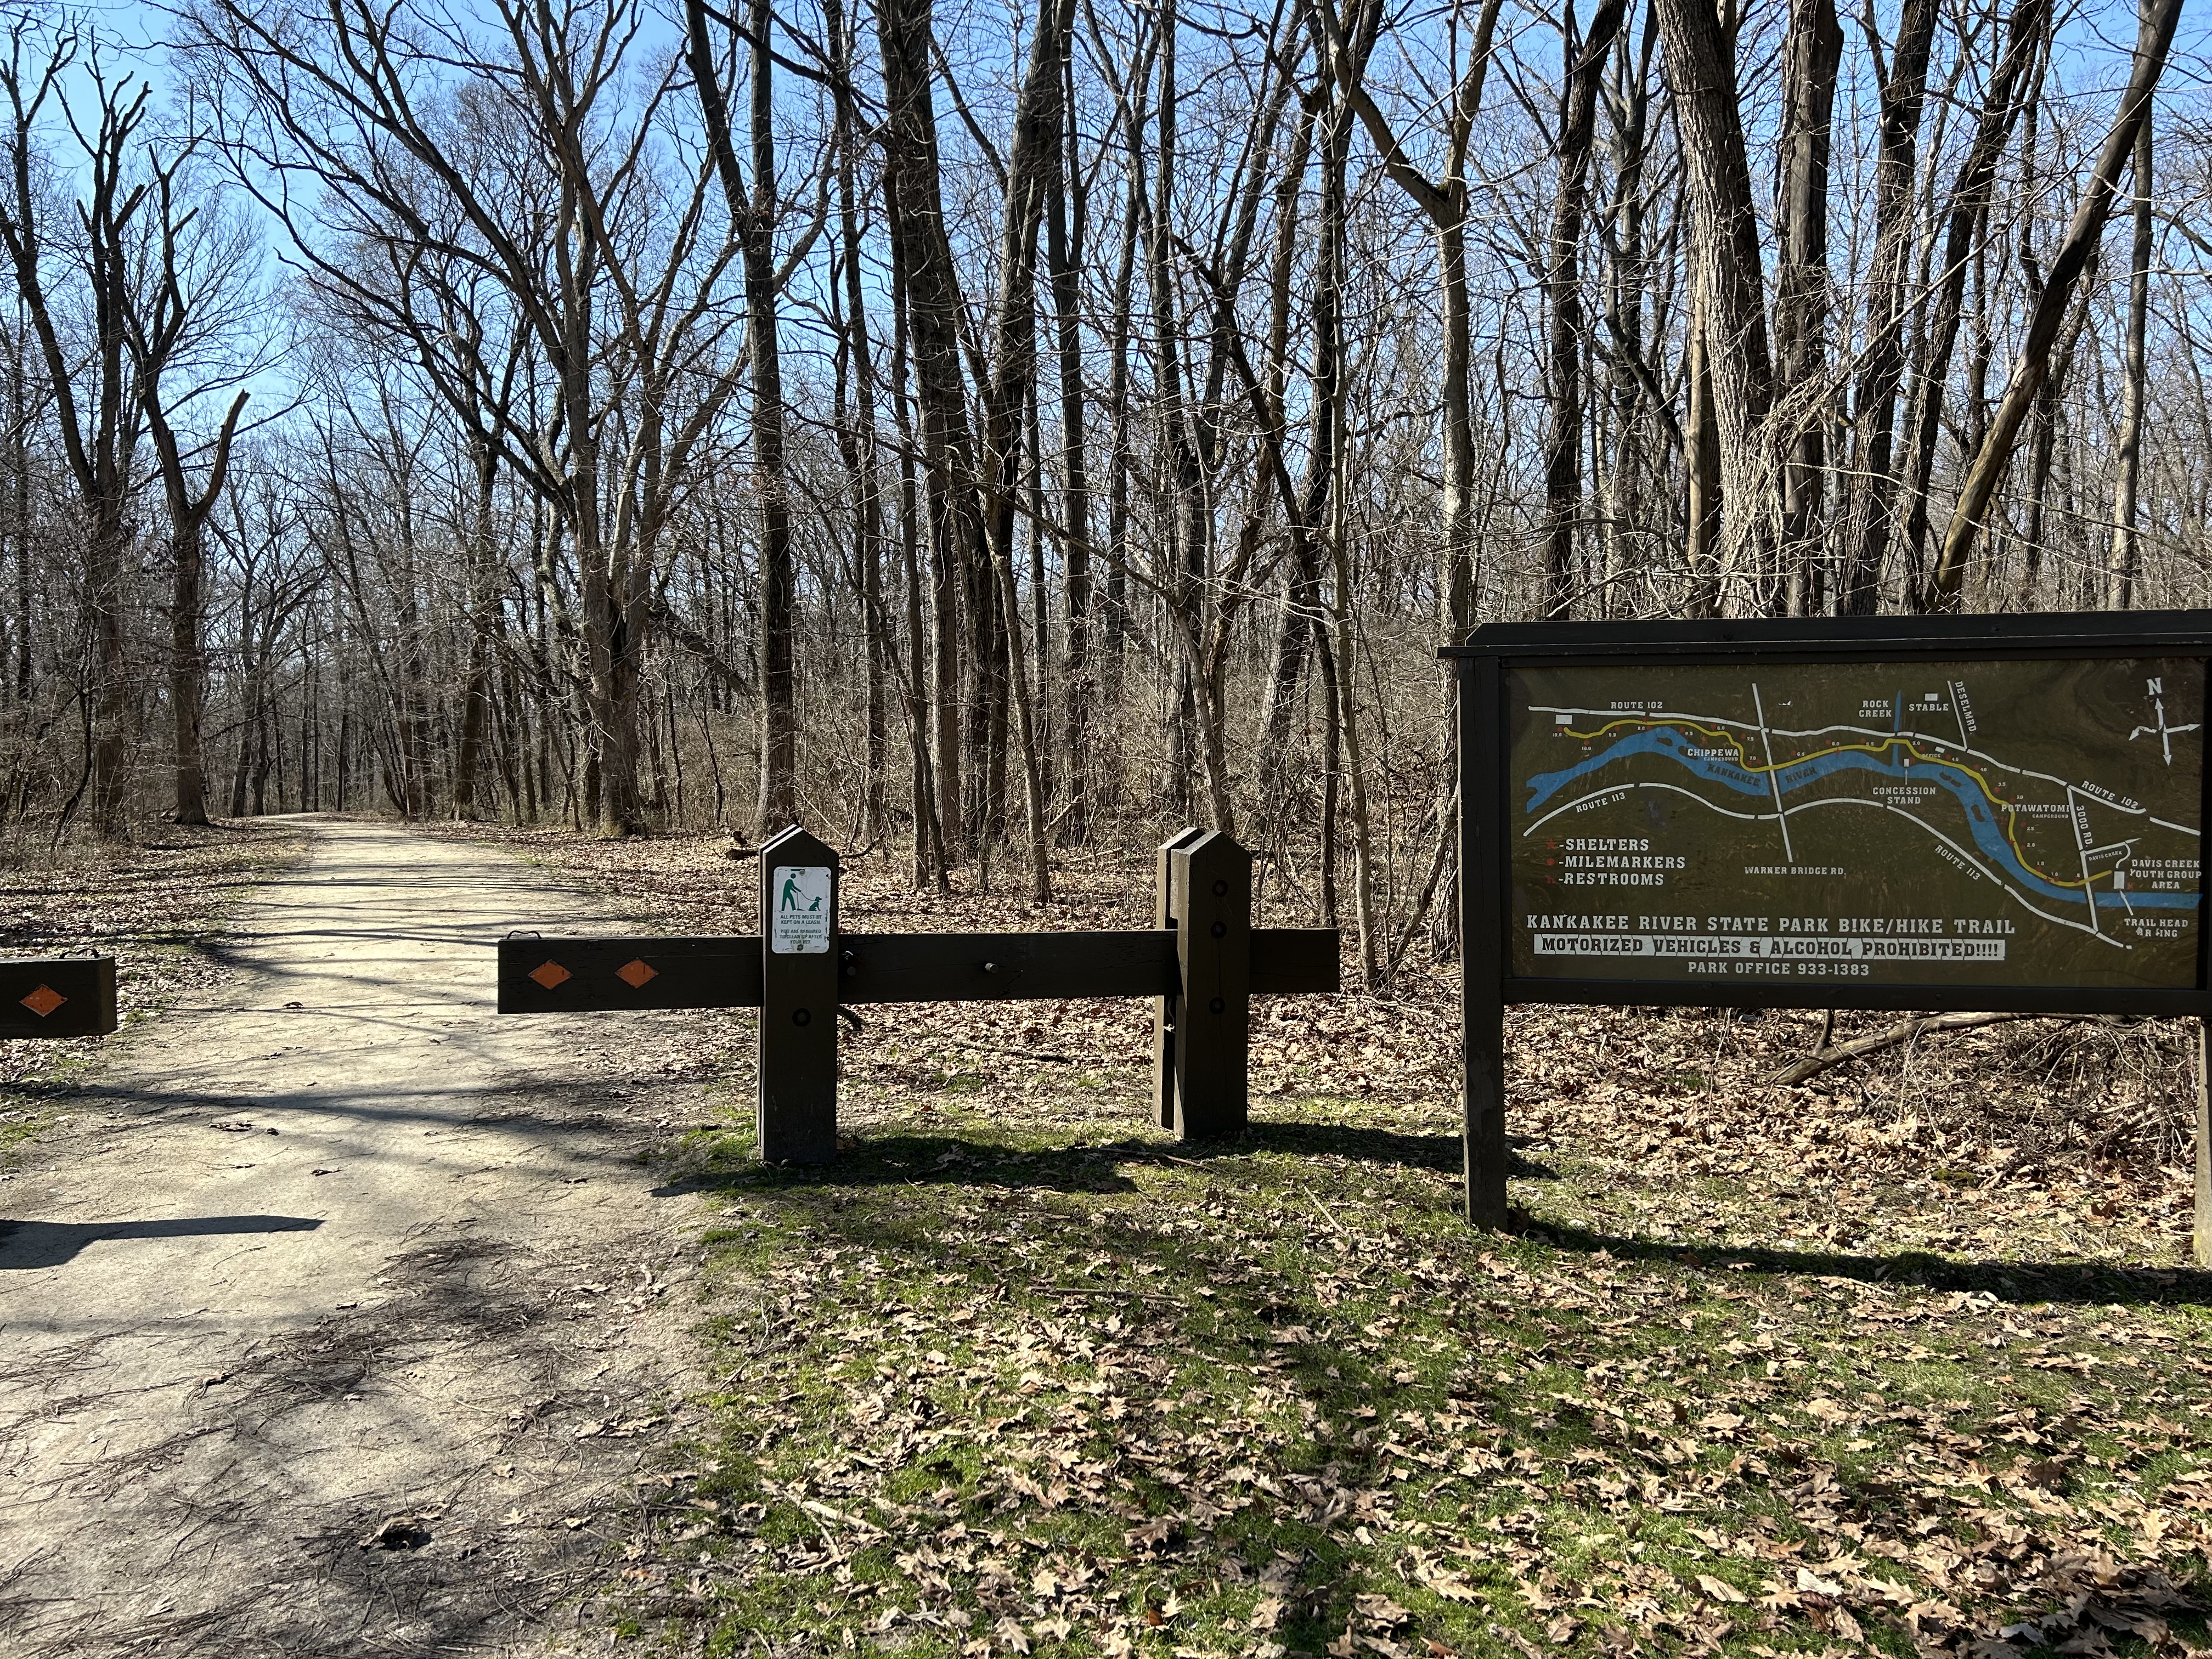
(1971, 823)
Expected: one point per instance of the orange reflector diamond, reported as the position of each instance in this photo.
(635, 973)
(550, 974)
(44, 1001)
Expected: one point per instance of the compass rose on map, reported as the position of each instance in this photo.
(2160, 729)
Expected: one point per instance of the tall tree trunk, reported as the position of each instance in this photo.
(1302, 580)
(1881, 359)
(1701, 461)
(1812, 54)
(1724, 251)
(932, 308)
(1585, 62)
(1119, 343)
(1184, 553)
(2154, 39)
(1033, 160)
(754, 212)
(483, 618)
(1968, 220)
(929, 849)
(857, 437)
(188, 673)
(1067, 216)
(2122, 568)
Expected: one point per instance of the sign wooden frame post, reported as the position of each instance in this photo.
(1200, 967)
(1518, 656)
(1482, 998)
(2201, 1234)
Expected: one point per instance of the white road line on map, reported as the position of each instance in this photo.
(2081, 846)
(1773, 780)
(1981, 754)
(2003, 885)
(1959, 713)
(1622, 788)
(1850, 800)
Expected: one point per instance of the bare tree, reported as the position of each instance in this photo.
(85, 359)
(194, 265)
(1724, 252)
(2154, 39)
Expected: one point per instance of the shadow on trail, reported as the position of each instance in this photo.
(51, 1243)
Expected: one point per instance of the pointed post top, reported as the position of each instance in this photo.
(1216, 861)
(793, 841)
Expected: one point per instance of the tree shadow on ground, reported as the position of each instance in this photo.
(2010, 1281)
(957, 1159)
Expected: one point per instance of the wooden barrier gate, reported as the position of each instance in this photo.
(1201, 965)
(57, 996)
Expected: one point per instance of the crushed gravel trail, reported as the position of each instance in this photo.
(337, 1316)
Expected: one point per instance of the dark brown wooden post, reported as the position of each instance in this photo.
(1481, 938)
(1164, 911)
(1210, 883)
(798, 1115)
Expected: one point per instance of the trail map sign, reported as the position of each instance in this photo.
(1985, 813)
(1951, 823)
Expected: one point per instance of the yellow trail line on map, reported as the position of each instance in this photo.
(1730, 738)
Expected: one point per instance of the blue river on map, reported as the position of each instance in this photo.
(1988, 831)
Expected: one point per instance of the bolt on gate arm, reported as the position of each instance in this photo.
(1202, 969)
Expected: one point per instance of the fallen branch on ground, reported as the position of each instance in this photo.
(1904, 1031)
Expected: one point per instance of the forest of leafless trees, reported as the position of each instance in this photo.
(988, 432)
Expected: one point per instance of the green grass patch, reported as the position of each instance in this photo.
(1001, 1381)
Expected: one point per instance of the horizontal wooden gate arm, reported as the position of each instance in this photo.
(554, 975)
(1296, 961)
(1005, 967)
(57, 996)
(580, 976)
(1050, 967)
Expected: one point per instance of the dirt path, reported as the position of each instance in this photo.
(339, 1248)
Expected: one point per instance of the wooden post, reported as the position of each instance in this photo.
(1165, 909)
(1210, 882)
(798, 1113)
(1481, 940)
(2203, 1230)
